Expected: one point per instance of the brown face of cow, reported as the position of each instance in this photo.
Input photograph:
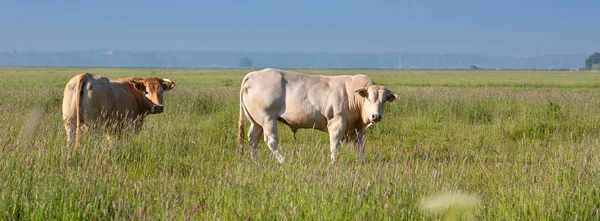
(375, 98)
(153, 89)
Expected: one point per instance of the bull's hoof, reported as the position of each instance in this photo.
(280, 158)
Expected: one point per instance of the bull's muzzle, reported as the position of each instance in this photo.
(376, 117)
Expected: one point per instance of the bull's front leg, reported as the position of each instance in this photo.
(359, 143)
(335, 128)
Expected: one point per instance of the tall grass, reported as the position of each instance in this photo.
(524, 145)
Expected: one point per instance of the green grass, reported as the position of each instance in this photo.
(524, 144)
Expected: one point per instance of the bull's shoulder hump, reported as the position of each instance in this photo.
(348, 78)
(345, 77)
(361, 78)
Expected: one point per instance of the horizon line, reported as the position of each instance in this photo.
(289, 52)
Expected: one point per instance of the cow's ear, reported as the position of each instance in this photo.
(362, 92)
(139, 85)
(168, 84)
(391, 96)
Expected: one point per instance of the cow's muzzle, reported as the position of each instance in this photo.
(157, 109)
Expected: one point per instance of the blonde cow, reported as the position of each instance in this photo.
(94, 102)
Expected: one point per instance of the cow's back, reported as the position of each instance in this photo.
(96, 98)
(101, 100)
(91, 89)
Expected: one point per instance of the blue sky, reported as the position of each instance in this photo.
(509, 27)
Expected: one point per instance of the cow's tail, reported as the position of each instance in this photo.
(241, 132)
(78, 92)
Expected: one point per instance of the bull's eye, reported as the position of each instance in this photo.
(145, 92)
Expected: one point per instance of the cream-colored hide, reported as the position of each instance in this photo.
(343, 106)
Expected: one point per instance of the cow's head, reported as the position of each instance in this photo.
(153, 89)
(375, 97)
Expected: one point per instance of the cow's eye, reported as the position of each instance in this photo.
(145, 92)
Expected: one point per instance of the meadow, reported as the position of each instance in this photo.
(491, 145)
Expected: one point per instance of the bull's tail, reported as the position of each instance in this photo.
(78, 92)
(241, 132)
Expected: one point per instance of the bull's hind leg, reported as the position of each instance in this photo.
(254, 134)
(270, 130)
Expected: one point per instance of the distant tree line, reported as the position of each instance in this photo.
(217, 59)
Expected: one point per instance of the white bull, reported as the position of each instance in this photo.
(343, 106)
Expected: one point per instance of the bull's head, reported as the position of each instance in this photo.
(153, 89)
(375, 97)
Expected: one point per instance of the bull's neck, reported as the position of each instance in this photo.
(357, 107)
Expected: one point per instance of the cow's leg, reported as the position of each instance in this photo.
(270, 136)
(109, 143)
(93, 132)
(335, 128)
(254, 133)
(70, 128)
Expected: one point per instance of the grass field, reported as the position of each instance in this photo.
(491, 145)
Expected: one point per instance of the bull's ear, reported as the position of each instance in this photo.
(362, 92)
(391, 96)
(139, 85)
(168, 84)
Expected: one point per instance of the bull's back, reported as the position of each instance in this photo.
(273, 88)
(299, 100)
(262, 95)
